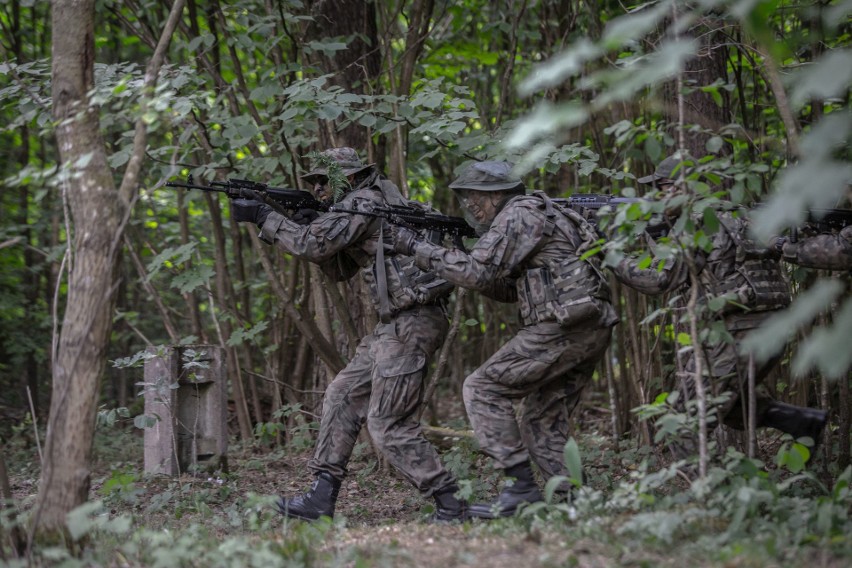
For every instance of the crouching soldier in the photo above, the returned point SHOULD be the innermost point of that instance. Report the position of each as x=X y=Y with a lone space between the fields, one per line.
x=565 y=314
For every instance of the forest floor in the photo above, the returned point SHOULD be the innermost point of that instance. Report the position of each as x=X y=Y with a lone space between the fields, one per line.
x=380 y=519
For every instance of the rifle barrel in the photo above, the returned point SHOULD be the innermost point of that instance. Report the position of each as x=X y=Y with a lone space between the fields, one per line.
x=195 y=186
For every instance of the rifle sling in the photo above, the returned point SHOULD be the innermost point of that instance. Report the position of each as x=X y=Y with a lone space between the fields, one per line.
x=382 y=278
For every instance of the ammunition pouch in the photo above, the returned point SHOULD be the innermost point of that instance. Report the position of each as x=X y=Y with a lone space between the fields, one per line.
x=407 y=285
x=568 y=294
x=758 y=283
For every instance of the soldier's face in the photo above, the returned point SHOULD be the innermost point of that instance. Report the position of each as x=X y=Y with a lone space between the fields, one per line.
x=482 y=205
x=322 y=191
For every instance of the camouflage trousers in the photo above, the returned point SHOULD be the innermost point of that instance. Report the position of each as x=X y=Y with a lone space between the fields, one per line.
x=383 y=385
x=545 y=367
x=728 y=371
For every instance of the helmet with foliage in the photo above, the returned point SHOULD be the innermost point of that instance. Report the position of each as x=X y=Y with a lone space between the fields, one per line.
x=344 y=160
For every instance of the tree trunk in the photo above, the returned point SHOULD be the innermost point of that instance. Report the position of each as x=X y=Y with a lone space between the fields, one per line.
x=353 y=68
x=96 y=214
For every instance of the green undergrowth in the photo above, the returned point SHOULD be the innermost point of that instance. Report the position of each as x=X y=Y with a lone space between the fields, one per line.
x=625 y=507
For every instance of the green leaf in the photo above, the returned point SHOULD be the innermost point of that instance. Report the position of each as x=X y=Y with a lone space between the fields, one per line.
x=170 y=256
x=329 y=48
x=684 y=339
x=827 y=349
x=471 y=322
x=717 y=304
x=827 y=77
x=710 y=221
x=630 y=27
x=240 y=336
x=773 y=335
x=792 y=457
x=143 y=421
x=573 y=462
x=83 y=161
x=560 y=67
x=367 y=120
x=189 y=280
x=545 y=120
x=80 y=520
x=552 y=485
x=714 y=144
x=816 y=181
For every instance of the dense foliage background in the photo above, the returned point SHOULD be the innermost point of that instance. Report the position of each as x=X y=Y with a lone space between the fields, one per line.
x=586 y=96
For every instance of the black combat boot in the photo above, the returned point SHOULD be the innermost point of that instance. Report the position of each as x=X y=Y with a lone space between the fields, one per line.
x=523 y=490
x=798 y=421
x=448 y=508
x=317 y=502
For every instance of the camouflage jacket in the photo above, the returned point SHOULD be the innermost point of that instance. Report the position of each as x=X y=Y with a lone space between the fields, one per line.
x=830 y=251
x=747 y=274
x=534 y=247
x=343 y=243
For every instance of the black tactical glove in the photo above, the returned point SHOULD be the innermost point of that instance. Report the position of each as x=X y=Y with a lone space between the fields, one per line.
x=304 y=216
x=400 y=239
x=777 y=244
x=250 y=211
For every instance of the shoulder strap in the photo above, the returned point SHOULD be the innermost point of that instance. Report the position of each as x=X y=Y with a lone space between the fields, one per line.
x=584 y=228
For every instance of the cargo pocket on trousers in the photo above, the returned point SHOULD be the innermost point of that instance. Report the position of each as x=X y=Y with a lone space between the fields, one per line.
x=398 y=385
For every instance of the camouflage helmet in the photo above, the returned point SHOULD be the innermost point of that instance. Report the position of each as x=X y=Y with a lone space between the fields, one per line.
x=488 y=176
x=346 y=158
x=671 y=168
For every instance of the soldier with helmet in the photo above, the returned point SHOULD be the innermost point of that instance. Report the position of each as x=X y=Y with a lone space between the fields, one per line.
x=565 y=313
x=748 y=277
x=383 y=383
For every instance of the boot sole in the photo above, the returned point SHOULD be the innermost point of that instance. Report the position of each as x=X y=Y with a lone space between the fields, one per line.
x=285 y=512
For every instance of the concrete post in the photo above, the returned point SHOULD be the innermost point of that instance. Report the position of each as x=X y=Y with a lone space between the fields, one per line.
x=186 y=392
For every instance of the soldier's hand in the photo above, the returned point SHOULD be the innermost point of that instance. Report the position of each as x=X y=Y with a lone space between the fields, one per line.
x=304 y=216
x=777 y=244
x=400 y=239
x=250 y=211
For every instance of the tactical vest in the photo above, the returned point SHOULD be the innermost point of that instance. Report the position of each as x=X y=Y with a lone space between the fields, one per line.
x=407 y=285
x=567 y=289
x=395 y=282
x=757 y=282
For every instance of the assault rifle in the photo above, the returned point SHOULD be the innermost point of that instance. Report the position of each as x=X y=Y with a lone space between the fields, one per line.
x=279 y=198
x=417 y=219
x=592 y=201
x=588 y=205
x=830 y=219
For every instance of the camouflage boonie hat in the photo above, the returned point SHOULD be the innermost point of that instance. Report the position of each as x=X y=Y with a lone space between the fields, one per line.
x=666 y=169
x=346 y=158
x=487 y=176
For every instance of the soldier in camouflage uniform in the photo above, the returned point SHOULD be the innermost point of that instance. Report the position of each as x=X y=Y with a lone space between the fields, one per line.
x=383 y=383
x=749 y=276
x=566 y=321
x=827 y=251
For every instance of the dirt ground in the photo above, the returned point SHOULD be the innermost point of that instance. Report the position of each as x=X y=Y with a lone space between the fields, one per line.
x=384 y=520
x=381 y=520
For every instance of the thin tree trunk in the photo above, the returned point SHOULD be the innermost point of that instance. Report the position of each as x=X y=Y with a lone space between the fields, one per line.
x=189 y=297
x=96 y=213
x=17 y=542
x=222 y=288
x=98 y=216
